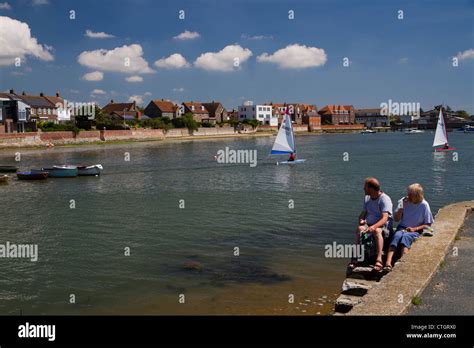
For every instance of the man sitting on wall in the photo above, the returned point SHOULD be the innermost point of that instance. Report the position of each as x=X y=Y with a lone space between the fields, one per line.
x=376 y=218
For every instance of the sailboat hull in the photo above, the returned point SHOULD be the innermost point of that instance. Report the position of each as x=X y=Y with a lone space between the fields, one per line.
x=298 y=161
x=440 y=149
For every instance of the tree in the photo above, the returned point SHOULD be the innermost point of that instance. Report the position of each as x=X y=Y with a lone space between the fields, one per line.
x=186 y=121
x=463 y=114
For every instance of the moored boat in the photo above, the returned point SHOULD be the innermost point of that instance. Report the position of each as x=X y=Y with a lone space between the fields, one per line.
x=414 y=131
x=64 y=171
x=368 y=131
x=32 y=175
x=8 y=169
x=4 y=179
x=93 y=170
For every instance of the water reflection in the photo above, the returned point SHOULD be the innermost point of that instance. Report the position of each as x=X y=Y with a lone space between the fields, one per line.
x=439 y=164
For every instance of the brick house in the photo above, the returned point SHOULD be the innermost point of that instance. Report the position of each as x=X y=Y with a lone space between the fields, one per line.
x=337 y=114
x=162 y=108
x=216 y=111
x=199 y=111
x=371 y=118
x=122 y=110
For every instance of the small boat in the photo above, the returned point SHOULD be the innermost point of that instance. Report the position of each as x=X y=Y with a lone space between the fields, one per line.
x=93 y=170
x=297 y=161
x=33 y=175
x=63 y=171
x=285 y=143
x=441 y=136
x=4 y=179
x=368 y=131
x=468 y=129
x=8 y=169
x=414 y=131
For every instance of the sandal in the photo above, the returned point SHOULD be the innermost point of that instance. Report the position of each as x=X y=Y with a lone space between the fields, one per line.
x=387 y=268
x=378 y=266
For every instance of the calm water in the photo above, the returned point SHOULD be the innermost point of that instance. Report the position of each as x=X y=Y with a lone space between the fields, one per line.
x=189 y=251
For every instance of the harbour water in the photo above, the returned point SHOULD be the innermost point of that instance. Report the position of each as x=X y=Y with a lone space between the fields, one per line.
x=182 y=215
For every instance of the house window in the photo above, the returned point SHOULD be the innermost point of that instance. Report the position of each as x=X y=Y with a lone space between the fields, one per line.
x=49 y=111
x=192 y=107
x=1 y=114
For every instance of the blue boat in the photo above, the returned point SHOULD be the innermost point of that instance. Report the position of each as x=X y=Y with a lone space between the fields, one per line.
x=33 y=175
x=64 y=171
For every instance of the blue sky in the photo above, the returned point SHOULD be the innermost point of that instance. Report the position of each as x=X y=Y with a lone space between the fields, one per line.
x=407 y=60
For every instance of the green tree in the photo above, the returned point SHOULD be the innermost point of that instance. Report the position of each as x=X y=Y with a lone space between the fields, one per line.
x=186 y=121
x=463 y=114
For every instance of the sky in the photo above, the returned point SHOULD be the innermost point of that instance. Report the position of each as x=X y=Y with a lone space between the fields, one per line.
x=233 y=51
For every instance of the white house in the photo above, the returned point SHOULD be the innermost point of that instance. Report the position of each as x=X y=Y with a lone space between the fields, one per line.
x=260 y=112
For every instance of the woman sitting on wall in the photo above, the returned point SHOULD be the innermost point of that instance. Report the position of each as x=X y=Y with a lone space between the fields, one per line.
x=414 y=214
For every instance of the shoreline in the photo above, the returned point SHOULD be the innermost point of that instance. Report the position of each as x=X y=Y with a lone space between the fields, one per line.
x=170 y=140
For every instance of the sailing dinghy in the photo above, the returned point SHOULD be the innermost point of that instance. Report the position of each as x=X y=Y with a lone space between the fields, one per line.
x=441 y=136
x=285 y=142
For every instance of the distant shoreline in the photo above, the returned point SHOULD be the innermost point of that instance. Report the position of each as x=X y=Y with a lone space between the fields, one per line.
x=170 y=140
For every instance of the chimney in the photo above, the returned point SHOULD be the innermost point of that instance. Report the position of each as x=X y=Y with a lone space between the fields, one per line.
x=12 y=91
x=23 y=93
x=57 y=94
x=111 y=101
x=41 y=94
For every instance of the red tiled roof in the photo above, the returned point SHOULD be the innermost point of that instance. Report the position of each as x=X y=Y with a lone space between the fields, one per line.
x=164 y=105
x=197 y=107
x=332 y=108
x=112 y=107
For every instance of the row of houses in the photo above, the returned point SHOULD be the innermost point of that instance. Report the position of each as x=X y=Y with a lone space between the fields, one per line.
x=18 y=110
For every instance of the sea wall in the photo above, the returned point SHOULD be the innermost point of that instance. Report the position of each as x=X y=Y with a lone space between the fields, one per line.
x=64 y=138
x=366 y=294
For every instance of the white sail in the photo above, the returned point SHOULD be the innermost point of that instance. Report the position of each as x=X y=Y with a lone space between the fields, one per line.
x=441 y=137
x=284 y=142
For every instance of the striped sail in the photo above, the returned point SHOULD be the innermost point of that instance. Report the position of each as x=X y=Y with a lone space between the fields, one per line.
x=284 y=142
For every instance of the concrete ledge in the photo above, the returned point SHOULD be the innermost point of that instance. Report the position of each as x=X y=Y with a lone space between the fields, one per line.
x=410 y=276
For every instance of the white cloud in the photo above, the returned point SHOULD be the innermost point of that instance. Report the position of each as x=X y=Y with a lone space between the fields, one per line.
x=125 y=59
x=96 y=92
x=403 y=60
x=93 y=76
x=98 y=35
x=175 y=61
x=74 y=91
x=147 y=94
x=134 y=78
x=256 y=37
x=228 y=59
x=295 y=57
x=5 y=6
x=40 y=2
x=180 y=89
x=136 y=98
x=16 y=42
x=467 y=54
x=187 y=35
